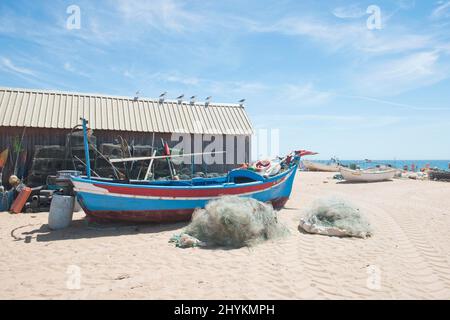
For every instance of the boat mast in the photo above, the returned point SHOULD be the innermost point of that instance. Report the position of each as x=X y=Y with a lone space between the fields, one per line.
x=86 y=148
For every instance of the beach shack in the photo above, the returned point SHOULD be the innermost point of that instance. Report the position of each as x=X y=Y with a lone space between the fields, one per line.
x=37 y=126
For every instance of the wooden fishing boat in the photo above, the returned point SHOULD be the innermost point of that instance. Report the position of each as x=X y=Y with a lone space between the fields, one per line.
x=175 y=200
x=162 y=201
x=367 y=175
x=316 y=166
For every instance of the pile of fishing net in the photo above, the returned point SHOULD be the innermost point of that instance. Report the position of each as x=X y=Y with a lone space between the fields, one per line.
x=335 y=217
x=231 y=222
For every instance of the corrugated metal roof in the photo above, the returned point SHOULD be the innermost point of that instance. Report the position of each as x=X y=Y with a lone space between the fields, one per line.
x=52 y=109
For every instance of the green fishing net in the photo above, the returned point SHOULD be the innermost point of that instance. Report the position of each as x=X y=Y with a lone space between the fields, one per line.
x=335 y=217
x=235 y=222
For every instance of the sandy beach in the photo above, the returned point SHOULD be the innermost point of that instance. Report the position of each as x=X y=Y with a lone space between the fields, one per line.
x=407 y=258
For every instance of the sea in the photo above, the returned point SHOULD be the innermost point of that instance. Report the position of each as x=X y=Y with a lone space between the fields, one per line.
x=363 y=164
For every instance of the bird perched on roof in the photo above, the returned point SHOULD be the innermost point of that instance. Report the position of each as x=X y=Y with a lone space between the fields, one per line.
x=162 y=96
x=136 y=95
x=241 y=102
x=193 y=99
x=180 y=99
x=208 y=100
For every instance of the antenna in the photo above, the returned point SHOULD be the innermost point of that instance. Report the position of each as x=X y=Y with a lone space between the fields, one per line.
x=193 y=99
x=241 y=102
x=136 y=95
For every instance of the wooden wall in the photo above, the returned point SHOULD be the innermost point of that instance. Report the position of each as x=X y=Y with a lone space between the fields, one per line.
x=36 y=136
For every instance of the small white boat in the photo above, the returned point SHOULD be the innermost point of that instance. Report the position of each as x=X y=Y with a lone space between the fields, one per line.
x=316 y=166
x=367 y=175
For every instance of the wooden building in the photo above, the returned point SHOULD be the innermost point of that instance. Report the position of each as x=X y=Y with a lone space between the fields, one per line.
x=33 y=118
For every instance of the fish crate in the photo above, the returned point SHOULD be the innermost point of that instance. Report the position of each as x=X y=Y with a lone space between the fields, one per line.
x=76 y=139
x=47 y=165
x=79 y=152
x=49 y=152
x=36 y=179
x=142 y=151
x=111 y=150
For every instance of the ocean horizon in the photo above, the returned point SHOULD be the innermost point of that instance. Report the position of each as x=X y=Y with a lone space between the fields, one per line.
x=440 y=164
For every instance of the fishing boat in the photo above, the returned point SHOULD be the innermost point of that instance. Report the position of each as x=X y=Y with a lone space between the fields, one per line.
x=175 y=200
x=367 y=175
x=316 y=166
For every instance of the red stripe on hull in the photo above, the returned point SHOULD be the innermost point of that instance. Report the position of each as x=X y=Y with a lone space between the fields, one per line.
x=142 y=216
x=187 y=193
x=157 y=216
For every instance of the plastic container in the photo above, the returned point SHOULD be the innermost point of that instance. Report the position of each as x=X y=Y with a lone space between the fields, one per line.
x=6 y=199
x=61 y=211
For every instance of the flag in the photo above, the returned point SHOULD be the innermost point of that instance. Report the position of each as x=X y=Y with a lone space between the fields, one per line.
x=166 y=149
x=305 y=153
x=22 y=164
x=3 y=158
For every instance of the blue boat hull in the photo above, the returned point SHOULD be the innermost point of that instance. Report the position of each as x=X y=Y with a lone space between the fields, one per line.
x=167 y=203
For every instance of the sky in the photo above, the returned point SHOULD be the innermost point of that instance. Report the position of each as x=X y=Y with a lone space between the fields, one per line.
x=356 y=80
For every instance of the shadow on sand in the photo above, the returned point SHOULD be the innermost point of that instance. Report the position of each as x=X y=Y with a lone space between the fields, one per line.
x=82 y=229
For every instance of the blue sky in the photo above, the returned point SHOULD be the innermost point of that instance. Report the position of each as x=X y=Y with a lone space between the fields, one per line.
x=311 y=69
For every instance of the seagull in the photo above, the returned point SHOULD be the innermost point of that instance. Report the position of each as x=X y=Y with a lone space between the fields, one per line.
x=180 y=99
x=193 y=99
x=208 y=99
x=162 y=96
x=242 y=101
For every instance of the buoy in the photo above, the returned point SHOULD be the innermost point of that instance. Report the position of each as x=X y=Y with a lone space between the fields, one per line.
x=61 y=211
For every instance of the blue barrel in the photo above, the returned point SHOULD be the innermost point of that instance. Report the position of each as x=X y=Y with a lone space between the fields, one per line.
x=6 y=199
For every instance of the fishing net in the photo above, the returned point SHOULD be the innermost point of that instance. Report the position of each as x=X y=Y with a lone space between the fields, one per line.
x=335 y=217
x=235 y=222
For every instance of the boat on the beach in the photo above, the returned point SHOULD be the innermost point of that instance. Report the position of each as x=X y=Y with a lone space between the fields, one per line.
x=367 y=175
x=175 y=200
x=316 y=166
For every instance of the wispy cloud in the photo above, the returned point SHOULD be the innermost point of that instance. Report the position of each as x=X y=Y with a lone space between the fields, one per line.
x=163 y=15
x=304 y=95
x=349 y=12
x=442 y=10
x=7 y=65
x=400 y=75
x=394 y=104
x=341 y=122
x=68 y=66
x=353 y=36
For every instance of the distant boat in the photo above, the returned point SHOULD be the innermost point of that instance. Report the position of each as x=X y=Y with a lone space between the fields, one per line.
x=316 y=166
x=367 y=175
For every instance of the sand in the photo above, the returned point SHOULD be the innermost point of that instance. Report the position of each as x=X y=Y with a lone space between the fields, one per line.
x=408 y=257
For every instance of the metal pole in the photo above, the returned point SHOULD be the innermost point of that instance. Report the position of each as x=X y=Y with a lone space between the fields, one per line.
x=86 y=148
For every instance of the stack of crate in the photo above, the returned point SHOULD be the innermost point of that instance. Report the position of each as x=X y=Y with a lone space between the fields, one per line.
x=47 y=161
x=75 y=149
